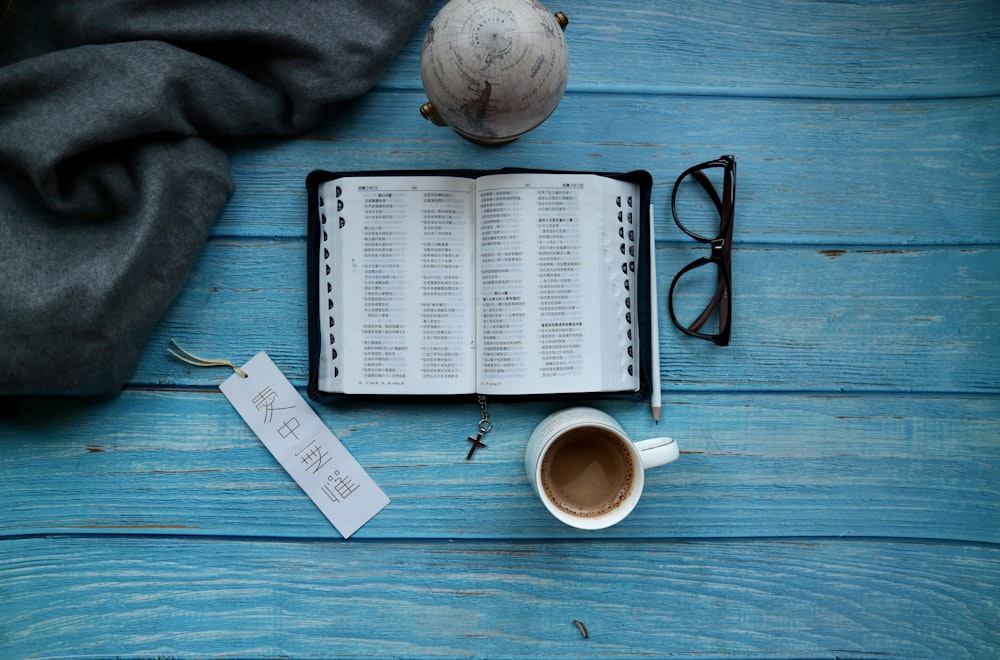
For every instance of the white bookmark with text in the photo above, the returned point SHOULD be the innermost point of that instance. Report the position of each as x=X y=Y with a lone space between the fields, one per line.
x=303 y=445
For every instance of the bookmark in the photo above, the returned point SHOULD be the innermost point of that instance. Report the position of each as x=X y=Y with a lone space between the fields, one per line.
x=299 y=440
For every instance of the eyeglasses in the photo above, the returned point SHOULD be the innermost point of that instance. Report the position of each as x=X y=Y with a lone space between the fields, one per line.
x=701 y=292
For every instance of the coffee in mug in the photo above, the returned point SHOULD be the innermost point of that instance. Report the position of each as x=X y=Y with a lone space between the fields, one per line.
x=586 y=470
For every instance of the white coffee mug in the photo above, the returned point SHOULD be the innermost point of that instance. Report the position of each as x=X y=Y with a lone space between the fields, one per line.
x=586 y=470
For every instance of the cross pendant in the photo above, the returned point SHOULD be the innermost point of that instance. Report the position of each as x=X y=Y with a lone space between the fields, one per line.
x=477 y=442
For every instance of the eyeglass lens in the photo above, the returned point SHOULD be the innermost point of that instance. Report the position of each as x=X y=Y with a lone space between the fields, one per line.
x=698 y=298
x=697 y=203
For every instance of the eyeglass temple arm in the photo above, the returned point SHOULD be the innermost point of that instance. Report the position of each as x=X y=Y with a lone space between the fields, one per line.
x=706 y=183
x=720 y=292
x=720 y=289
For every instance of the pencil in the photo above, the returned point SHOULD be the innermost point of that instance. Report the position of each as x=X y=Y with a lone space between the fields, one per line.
x=655 y=402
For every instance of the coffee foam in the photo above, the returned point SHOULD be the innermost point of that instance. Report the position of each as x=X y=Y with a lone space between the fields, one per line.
x=606 y=448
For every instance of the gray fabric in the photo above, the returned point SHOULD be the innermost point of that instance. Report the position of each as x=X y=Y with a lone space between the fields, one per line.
x=110 y=175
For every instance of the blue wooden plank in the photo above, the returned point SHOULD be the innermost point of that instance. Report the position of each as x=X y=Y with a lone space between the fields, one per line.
x=805 y=319
x=799 y=48
x=89 y=597
x=752 y=465
x=810 y=172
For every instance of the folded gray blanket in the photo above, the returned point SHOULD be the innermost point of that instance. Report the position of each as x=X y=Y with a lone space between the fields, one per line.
x=109 y=177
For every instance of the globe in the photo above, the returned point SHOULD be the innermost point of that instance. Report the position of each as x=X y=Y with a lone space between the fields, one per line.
x=493 y=69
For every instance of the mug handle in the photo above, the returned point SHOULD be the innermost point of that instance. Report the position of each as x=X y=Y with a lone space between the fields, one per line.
x=657 y=451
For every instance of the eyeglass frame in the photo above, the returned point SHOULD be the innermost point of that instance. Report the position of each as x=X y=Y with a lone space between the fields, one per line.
x=721 y=253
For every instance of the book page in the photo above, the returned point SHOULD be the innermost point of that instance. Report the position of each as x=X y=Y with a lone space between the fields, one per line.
x=556 y=275
x=397 y=265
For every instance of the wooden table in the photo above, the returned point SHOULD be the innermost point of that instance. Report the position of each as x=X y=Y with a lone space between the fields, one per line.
x=837 y=493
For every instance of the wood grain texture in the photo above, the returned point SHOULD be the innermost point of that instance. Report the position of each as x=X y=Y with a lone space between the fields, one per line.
x=145 y=597
x=814 y=172
x=837 y=492
x=805 y=319
x=165 y=463
x=793 y=48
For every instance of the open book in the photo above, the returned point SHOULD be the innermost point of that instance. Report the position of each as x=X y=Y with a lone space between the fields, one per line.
x=508 y=283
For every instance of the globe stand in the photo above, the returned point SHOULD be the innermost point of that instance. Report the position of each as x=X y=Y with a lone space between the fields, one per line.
x=430 y=113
